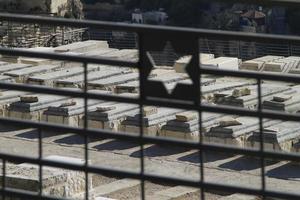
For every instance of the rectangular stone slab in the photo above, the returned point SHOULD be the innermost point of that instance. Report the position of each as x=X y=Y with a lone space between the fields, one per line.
x=4 y=63
x=236 y=135
x=252 y=65
x=121 y=110
x=78 y=108
x=81 y=47
x=290 y=105
x=6 y=79
x=163 y=115
x=181 y=63
x=109 y=83
x=78 y=81
x=218 y=87
x=111 y=120
x=208 y=119
x=133 y=86
x=44 y=102
x=250 y=101
x=257 y=64
x=249 y=124
x=281 y=135
x=227 y=63
x=55 y=182
x=8 y=97
x=21 y=75
x=38 y=61
x=124 y=54
x=100 y=52
x=11 y=67
x=48 y=78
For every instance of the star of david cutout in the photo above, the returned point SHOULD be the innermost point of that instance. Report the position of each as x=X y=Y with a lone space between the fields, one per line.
x=180 y=91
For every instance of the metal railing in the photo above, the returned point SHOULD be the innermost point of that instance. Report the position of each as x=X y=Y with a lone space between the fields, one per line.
x=152 y=38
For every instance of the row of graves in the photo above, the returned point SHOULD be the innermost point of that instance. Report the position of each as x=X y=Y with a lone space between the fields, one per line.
x=157 y=121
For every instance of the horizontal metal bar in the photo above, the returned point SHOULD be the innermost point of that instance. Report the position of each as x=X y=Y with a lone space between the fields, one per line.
x=67 y=57
x=151 y=29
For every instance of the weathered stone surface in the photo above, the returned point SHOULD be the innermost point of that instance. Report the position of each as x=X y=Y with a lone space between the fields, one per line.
x=21 y=75
x=100 y=52
x=257 y=64
x=281 y=97
x=250 y=101
x=49 y=78
x=124 y=54
x=6 y=79
x=29 y=99
x=8 y=97
x=152 y=123
x=11 y=67
x=289 y=105
x=56 y=182
x=237 y=134
x=110 y=82
x=105 y=108
x=252 y=65
x=37 y=61
x=190 y=130
x=186 y=116
x=227 y=63
x=181 y=63
x=239 y=197
x=44 y=101
x=149 y=110
x=241 y=92
x=71 y=114
x=111 y=119
x=283 y=65
x=281 y=135
x=81 y=47
x=115 y=187
x=133 y=86
x=177 y=192
x=229 y=121
x=78 y=81
x=69 y=103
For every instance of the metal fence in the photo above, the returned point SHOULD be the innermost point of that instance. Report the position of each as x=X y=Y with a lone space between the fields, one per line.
x=153 y=38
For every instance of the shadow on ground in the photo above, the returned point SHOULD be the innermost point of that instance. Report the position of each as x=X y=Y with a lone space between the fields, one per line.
x=115 y=145
x=208 y=157
x=156 y=151
x=287 y=171
x=245 y=163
